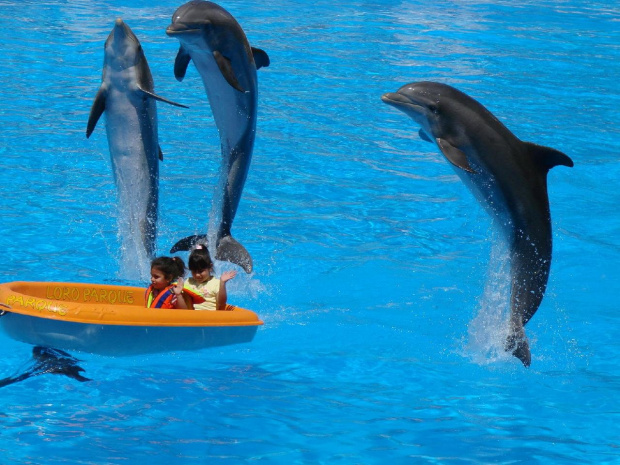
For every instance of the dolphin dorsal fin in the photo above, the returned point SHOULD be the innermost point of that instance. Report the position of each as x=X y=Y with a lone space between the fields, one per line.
x=548 y=157
x=261 y=59
x=454 y=155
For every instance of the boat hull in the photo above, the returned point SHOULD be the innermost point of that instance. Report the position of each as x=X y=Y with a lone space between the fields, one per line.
x=112 y=320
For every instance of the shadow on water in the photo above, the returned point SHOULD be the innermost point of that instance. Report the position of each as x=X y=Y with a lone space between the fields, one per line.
x=47 y=360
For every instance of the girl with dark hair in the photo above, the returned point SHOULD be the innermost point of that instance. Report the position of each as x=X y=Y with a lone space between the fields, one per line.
x=206 y=291
x=166 y=289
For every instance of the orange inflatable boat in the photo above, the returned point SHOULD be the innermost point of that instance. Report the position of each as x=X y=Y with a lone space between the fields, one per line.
x=113 y=320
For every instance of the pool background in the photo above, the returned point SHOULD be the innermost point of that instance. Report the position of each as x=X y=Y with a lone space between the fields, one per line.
x=371 y=258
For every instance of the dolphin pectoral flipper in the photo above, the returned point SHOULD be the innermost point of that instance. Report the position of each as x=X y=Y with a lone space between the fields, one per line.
x=229 y=250
x=189 y=242
x=227 y=71
x=181 y=63
x=424 y=136
x=96 y=111
x=261 y=59
x=454 y=155
x=161 y=99
x=548 y=157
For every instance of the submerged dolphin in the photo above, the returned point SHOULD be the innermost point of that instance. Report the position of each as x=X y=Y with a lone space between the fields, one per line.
x=508 y=177
x=48 y=360
x=127 y=97
x=215 y=42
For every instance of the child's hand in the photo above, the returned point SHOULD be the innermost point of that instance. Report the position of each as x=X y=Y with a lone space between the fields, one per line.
x=179 y=287
x=227 y=276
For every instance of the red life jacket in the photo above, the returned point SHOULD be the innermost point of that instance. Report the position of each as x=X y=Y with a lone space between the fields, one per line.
x=196 y=298
x=163 y=300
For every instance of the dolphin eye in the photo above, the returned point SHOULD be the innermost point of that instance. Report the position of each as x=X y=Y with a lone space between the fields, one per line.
x=433 y=109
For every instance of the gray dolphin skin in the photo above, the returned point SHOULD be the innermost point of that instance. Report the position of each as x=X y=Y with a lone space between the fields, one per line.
x=126 y=95
x=215 y=42
x=507 y=176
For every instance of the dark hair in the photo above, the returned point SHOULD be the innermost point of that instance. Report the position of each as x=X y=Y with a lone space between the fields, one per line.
x=171 y=267
x=200 y=260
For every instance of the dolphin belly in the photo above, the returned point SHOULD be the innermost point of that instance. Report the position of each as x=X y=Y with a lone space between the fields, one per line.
x=134 y=153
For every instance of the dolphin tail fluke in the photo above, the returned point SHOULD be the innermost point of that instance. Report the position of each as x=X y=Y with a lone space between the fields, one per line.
x=517 y=345
x=229 y=250
x=188 y=242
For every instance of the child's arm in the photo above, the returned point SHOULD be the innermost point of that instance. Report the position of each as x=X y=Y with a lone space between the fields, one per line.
x=181 y=302
x=221 y=295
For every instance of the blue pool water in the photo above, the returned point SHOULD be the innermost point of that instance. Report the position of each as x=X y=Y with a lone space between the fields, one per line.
x=372 y=260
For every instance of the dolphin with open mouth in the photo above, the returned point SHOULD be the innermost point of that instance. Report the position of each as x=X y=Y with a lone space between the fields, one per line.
x=506 y=175
x=227 y=64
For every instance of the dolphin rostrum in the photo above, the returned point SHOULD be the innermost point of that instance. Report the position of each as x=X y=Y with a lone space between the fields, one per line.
x=215 y=42
x=48 y=360
x=127 y=96
x=507 y=176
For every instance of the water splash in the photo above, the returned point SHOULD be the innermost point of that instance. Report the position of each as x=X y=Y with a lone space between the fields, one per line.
x=488 y=330
x=134 y=261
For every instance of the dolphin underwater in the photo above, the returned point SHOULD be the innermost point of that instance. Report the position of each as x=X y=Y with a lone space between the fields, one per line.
x=48 y=360
x=126 y=95
x=215 y=42
x=506 y=175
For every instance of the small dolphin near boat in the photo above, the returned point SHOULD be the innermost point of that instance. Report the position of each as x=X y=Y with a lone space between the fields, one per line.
x=212 y=38
x=48 y=360
x=507 y=176
x=127 y=97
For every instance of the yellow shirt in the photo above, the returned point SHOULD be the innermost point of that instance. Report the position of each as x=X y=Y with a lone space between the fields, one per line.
x=208 y=290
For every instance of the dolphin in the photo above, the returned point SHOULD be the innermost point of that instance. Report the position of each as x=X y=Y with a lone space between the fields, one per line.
x=48 y=360
x=215 y=42
x=507 y=176
x=127 y=96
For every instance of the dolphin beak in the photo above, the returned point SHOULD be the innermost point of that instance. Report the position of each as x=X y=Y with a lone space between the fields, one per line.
x=179 y=27
x=395 y=99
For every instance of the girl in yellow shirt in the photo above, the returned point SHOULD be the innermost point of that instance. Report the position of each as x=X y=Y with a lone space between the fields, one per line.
x=206 y=291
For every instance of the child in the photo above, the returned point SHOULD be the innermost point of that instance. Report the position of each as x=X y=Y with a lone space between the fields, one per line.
x=206 y=292
x=164 y=292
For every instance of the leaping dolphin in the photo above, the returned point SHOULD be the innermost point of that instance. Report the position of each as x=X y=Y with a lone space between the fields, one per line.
x=127 y=96
x=48 y=360
x=215 y=42
x=508 y=177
